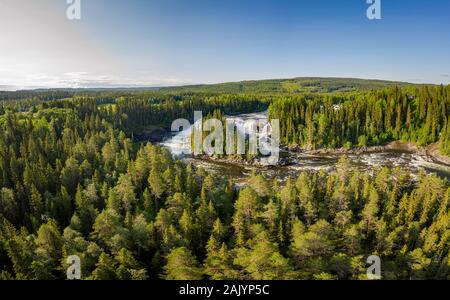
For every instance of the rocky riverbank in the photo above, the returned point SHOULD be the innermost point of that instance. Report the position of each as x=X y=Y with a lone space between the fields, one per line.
x=254 y=162
x=431 y=151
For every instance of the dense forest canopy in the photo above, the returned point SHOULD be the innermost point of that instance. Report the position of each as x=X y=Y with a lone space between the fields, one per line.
x=74 y=180
x=294 y=85
x=416 y=114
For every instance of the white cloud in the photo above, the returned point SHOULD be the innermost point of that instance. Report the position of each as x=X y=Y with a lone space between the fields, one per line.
x=40 y=47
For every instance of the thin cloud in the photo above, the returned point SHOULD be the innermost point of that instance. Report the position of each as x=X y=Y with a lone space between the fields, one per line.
x=82 y=79
x=40 y=47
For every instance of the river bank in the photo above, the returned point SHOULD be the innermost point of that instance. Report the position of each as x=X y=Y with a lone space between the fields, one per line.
x=431 y=151
x=294 y=160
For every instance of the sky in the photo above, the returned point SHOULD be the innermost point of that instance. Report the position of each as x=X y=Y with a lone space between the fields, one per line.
x=119 y=43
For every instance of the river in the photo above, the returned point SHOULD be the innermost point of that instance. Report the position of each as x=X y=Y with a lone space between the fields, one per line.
x=411 y=161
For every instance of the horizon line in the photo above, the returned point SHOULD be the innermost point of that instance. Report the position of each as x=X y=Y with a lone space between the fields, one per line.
x=13 y=88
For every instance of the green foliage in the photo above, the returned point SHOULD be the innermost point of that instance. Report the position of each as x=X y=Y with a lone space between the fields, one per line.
x=294 y=85
x=182 y=265
x=262 y=260
x=74 y=182
x=416 y=114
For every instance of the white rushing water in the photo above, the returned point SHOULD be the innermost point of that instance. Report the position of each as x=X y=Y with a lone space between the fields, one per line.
x=180 y=143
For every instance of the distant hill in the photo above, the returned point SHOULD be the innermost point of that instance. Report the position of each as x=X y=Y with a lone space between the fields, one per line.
x=294 y=85
x=301 y=84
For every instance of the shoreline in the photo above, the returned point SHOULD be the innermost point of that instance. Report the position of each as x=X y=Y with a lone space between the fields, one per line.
x=431 y=150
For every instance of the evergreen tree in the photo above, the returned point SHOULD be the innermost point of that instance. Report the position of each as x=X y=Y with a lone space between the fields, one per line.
x=182 y=265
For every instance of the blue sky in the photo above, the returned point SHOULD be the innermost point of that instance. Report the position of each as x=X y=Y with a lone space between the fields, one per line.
x=169 y=42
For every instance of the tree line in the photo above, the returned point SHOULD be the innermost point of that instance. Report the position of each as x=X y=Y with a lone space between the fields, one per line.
x=72 y=184
x=416 y=114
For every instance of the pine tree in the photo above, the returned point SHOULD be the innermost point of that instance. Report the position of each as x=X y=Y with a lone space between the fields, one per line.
x=182 y=265
x=105 y=268
x=247 y=207
x=263 y=261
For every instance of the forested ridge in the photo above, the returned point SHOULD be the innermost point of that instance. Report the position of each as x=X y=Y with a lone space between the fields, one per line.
x=293 y=85
x=415 y=114
x=74 y=182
